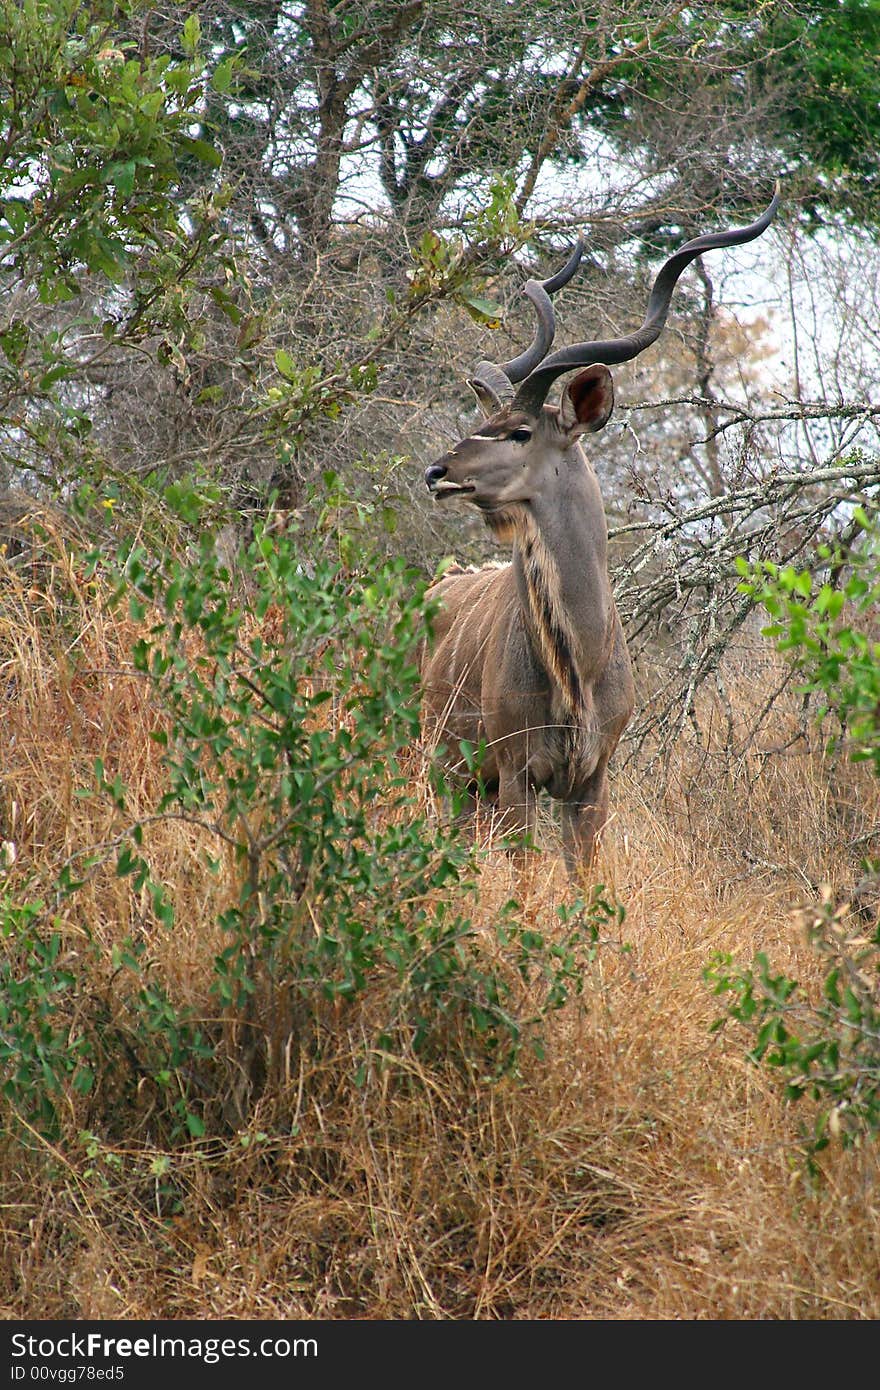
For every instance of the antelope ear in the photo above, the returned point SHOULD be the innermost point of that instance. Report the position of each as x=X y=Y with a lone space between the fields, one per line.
x=492 y=387
x=489 y=402
x=587 y=401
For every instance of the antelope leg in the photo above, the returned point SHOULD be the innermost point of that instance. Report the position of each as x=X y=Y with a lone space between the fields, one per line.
x=582 y=822
x=517 y=803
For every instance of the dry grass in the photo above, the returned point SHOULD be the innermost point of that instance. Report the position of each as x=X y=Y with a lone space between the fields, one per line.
x=643 y=1169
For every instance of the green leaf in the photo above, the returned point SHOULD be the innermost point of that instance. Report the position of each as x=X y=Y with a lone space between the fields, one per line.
x=221 y=79
x=61 y=369
x=195 y=1125
x=192 y=32
x=201 y=149
x=14 y=342
x=122 y=176
x=482 y=310
x=286 y=365
x=15 y=212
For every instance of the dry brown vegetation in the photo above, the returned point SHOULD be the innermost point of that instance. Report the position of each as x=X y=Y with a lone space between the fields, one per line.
x=642 y=1169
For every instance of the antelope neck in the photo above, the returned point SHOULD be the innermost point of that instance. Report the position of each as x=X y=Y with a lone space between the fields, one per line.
x=560 y=632
x=557 y=644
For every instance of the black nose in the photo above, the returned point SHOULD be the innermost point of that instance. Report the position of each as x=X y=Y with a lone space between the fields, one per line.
x=435 y=473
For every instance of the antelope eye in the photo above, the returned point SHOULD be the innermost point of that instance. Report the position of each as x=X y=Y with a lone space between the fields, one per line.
x=520 y=436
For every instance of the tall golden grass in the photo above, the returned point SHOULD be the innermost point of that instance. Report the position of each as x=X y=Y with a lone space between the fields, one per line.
x=642 y=1168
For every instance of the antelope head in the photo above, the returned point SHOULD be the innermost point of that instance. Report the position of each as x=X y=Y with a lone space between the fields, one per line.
x=513 y=460
x=519 y=452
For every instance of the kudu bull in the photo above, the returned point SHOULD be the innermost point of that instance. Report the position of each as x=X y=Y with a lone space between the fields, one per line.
x=528 y=660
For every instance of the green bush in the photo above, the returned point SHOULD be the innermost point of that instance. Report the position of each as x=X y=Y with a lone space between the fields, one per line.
x=830 y=1049
x=821 y=625
x=299 y=755
x=40 y=1055
x=284 y=700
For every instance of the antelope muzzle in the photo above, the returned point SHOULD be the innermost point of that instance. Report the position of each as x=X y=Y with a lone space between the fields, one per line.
x=439 y=484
